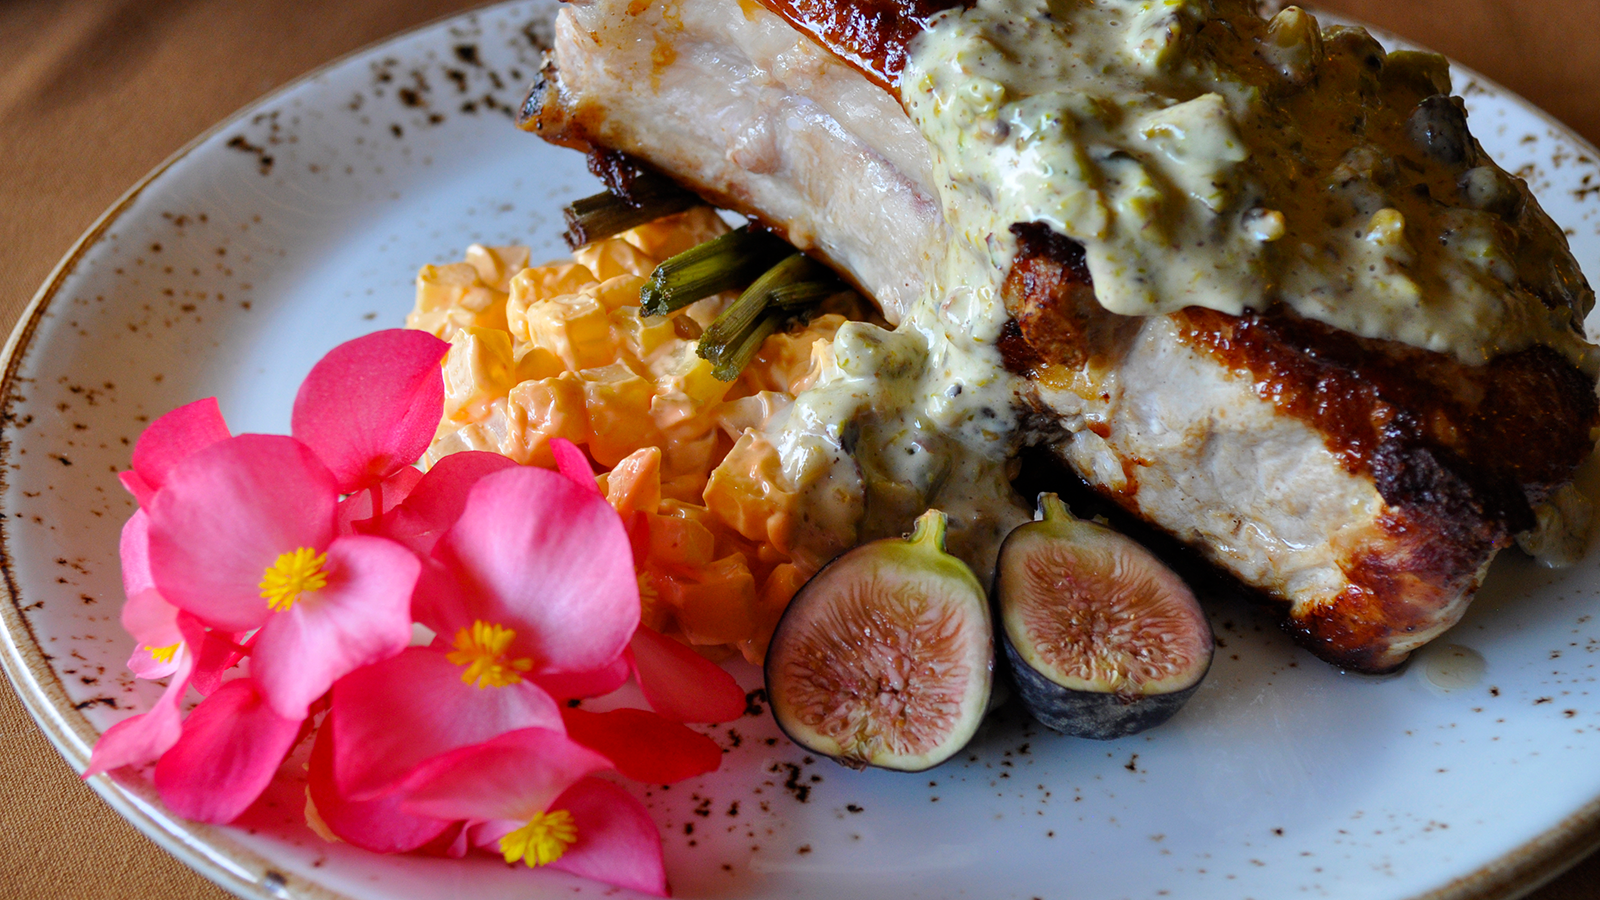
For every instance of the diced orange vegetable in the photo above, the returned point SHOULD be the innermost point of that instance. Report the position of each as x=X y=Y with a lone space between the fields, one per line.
x=634 y=484
x=612 y=257
x=680 y=541
x=575 y=328
x=477 y=369
x=781 y=585
x=746 y=491
x=551 y=408
x=715 y=605
x=675 y=234
x=619 y=420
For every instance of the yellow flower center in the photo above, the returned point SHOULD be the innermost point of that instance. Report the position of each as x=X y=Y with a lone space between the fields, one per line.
x=163 y=654
x=292 y=575
x=542 y=840
x=482 y=649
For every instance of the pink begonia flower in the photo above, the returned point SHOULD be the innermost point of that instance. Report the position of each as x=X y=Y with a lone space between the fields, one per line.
x=355 y=514
x=142 y=739
x=677 y=682
x=379 y=825
x=168 y=441
x=231 y=745
x=532 y=580
x=435 y=502
x=535 y=577
x=390 y=717
x=370 y=407
x=529 y=790
x=242 y=537
x=681 y=684
x=154 y=623
x=644 y=746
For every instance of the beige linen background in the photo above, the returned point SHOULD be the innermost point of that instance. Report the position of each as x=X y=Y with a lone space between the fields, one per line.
x=94 y=93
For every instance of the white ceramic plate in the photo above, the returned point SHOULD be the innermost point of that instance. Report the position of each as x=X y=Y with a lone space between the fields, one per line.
x=300 y=223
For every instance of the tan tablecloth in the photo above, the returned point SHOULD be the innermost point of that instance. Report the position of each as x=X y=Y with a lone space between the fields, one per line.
x=95 y=93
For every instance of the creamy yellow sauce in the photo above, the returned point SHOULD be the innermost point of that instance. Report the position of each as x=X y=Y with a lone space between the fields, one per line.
x=1207 y=157
x=1203 y=156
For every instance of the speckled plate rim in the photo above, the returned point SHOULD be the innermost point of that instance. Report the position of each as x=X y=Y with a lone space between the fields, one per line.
x=211 y=852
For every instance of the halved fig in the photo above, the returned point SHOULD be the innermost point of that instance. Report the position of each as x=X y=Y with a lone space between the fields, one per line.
x=1103 y=640
x=886 y=657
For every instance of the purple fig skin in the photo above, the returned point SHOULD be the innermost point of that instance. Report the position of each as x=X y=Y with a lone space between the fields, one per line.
x=1093 y=711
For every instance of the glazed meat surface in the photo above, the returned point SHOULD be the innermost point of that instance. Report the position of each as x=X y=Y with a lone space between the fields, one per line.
x=1362 y=483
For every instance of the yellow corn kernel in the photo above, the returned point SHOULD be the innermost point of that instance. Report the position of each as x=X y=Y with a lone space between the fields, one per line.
x=477 y=369
x=496 y=265
x=679 y=540
x=619 y=406
x=574 y=328
x=545 y=409
x=612 y=257
x=747 y=490
x=714 y=605
x=675 y=234
x=634 y=485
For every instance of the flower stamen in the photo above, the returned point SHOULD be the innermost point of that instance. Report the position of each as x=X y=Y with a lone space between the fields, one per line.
x=163 y=654
x=542 y=841
x=482 y=650
x=292 y=575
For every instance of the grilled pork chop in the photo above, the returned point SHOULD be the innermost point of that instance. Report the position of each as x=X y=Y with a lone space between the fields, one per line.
x=1363 y=481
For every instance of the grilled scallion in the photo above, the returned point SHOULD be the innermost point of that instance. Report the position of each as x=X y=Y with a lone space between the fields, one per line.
x=605 y=214
x=733 y=360
x=720 y=264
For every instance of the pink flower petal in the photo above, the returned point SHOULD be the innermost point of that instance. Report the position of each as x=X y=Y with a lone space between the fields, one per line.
x=370 y=407
x=644 y=746
x=153 y=622
x=226 y=515
x=362 y=616
x=438 y=499
x=378 y=825
x=354 y=515
x=514 y=776
x=596 y=683
x=140 y=489
x=142 y=739
x=571 y=462
x=536 y=553
x=134 y=548
x=681 y=684
x=617 y=840
x=232 y=744
x=174 y=437
x=219 y=652
x=391 y=716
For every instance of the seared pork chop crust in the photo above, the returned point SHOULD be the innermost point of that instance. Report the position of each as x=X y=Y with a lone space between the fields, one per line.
x=1459 y=454
x=871 y=35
